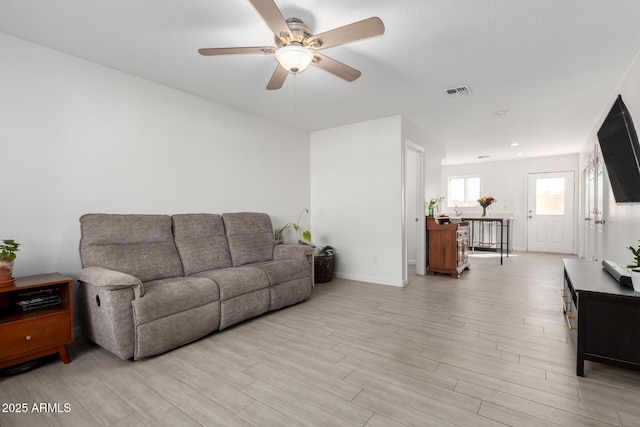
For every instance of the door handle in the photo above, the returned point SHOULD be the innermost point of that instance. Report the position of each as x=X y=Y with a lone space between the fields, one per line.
x=587 y=219
x=530 y=216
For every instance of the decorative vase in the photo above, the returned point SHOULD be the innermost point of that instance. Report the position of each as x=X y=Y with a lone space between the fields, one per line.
x=635 y=279
x=484 y=211
x=6 y=271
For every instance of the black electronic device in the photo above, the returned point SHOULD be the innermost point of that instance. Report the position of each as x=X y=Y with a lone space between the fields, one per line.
x=618 y=273
x=621 y=153
x=40 y=298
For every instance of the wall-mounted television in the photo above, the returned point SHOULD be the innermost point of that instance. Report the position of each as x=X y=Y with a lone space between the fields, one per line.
x=621 y=153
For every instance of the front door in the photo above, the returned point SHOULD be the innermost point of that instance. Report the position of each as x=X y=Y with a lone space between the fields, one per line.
x=550 y=212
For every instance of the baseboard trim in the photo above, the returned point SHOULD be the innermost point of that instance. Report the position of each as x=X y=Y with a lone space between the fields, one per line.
x=370 y=279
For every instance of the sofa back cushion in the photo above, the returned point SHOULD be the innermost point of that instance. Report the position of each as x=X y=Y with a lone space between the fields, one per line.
x=140 y=245
x=250 y=237
x=201 y=242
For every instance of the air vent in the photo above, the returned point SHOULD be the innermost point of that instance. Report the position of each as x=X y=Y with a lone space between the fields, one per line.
x=460 y=90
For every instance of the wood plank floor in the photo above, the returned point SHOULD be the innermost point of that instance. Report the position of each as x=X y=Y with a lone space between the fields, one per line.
x=488 y=349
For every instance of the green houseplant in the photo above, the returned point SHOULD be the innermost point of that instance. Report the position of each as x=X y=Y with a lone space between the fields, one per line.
x=8 y=250
x=304 y=236
x=636 y=255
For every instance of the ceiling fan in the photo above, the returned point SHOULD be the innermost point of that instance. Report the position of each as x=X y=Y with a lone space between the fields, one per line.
x=296 y=47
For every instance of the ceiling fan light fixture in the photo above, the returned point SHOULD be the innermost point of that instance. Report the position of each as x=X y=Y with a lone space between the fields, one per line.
x=294 y=58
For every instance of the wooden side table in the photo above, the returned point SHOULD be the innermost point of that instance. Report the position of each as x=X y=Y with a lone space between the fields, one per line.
x=30 y=334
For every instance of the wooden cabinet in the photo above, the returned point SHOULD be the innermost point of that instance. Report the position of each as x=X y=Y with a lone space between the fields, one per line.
x=29 y=334
x=448 y=246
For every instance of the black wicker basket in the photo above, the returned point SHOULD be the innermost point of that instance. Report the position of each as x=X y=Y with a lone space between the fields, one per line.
x=323 y=268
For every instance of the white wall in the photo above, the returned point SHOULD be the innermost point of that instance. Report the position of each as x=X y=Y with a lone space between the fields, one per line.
x=357 y=174
x=622 y=226
x=507 y=182
x=434 y=153
x=77 y=137
x=356 y=198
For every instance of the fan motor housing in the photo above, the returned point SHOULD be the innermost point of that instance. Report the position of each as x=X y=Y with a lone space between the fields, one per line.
x=300 y=31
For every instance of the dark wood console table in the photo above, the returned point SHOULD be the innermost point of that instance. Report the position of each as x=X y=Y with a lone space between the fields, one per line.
x=502 y=221
x=608 y=315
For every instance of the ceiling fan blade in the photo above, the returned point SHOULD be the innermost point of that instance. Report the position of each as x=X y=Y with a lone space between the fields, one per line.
x=278 y=78
x=335 y=67
x=236 y=50
x=273 y=17
x=349 y=33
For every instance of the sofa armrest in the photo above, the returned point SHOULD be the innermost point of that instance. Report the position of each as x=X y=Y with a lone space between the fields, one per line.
x=111 y=279
x=300 y=252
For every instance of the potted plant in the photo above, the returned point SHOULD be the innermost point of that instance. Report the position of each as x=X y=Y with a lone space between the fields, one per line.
x=8 y=251
x=434 y=206
x=304 y=236
x=635 y=268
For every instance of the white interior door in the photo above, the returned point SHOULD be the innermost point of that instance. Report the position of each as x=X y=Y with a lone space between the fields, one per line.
x=598 y=218
x=550 y=212
x=412 y=205
x=589 y=206
x=414 y=209
x=593 y=212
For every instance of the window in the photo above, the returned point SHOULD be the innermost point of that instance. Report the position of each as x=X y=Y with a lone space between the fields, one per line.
x=550 y=196
x=464 y=191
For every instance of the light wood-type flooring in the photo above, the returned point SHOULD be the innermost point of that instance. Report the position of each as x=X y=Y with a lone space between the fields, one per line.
x=488 y=349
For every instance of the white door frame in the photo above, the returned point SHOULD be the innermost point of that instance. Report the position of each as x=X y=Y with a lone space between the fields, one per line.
x=421 y=231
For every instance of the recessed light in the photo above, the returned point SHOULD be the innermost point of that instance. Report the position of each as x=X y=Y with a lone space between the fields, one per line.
x=514 y=144
x=519 y=154
x=501 y=112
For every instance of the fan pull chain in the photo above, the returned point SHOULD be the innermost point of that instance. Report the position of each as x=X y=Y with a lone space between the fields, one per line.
x=295 y=91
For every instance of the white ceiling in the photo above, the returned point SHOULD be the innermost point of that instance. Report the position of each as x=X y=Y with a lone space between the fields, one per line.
x=553 y=64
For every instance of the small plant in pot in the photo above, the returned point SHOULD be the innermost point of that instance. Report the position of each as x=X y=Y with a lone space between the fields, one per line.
x=8 y=250
x=635 y=268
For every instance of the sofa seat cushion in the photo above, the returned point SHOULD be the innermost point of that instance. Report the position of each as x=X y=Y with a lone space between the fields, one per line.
x=284 y=271
x=166 y=297
x=237 y=281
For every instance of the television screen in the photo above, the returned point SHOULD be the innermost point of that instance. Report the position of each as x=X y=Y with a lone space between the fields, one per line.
x=621 y=153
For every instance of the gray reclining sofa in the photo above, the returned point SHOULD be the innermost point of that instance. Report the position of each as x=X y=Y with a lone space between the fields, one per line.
x=151 y=283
